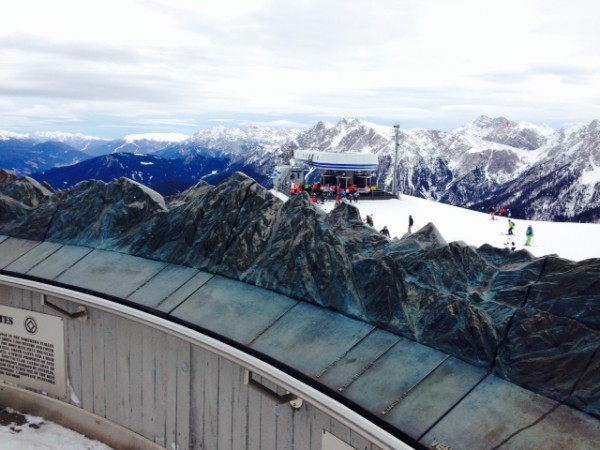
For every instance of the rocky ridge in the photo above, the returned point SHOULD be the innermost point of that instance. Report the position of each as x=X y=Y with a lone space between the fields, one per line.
x=532 y=321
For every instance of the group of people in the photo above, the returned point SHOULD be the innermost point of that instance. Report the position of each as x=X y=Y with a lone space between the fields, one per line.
x=501 y=212
x=528 y=234
x=511 y=227
x=319 y=193
x=320 y=196
x=384 y=230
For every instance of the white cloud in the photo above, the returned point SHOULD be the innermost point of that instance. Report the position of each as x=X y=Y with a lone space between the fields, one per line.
x=431 y=63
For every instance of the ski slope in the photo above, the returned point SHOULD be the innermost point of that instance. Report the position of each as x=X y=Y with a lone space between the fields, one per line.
x=574 y=241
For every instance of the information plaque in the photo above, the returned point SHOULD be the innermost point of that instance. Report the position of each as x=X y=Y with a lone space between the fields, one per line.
x=32 y=350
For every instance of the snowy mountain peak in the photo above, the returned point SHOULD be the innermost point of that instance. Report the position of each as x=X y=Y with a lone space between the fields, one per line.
x=352 y=124
x=500 y=130
x=352 y=135
x=157 y=137
x=349 y=122
x=483 y=127
x=250 y=136
x=248 y=131
x=6 y=135
x=489 y=123
x=59 y=136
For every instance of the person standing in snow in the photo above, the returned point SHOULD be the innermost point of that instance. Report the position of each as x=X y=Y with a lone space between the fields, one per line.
x=369 y=220
x=411 y=222
x=385 y=232
x=529 y=234
x=511 y=225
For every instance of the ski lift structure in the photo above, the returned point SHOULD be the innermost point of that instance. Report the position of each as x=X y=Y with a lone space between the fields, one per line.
x=341 y=169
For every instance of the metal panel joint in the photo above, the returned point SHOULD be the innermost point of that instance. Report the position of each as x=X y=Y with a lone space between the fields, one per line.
x=81 y=312
x=294 y=401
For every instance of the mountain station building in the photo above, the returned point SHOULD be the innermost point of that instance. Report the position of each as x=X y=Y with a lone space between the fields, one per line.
x=344 y=170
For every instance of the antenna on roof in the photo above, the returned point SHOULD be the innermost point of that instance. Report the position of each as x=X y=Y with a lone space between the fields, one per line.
x=395 y=174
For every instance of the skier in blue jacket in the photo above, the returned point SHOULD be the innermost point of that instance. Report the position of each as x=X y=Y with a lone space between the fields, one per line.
x=529 y=234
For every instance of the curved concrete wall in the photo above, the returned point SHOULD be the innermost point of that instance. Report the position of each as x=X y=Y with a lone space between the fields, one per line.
x=174 y=387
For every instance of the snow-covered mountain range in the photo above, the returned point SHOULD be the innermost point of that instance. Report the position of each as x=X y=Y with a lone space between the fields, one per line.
x=538 y=172
x=535 y=171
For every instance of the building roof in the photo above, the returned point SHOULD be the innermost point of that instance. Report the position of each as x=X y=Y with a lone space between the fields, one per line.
x=348 y=161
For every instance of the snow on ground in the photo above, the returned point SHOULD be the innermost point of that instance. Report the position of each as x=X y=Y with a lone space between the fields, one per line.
x=572 y=241
x=26 y=432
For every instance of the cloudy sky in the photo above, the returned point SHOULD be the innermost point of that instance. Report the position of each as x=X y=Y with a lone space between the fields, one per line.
x=114 y=67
